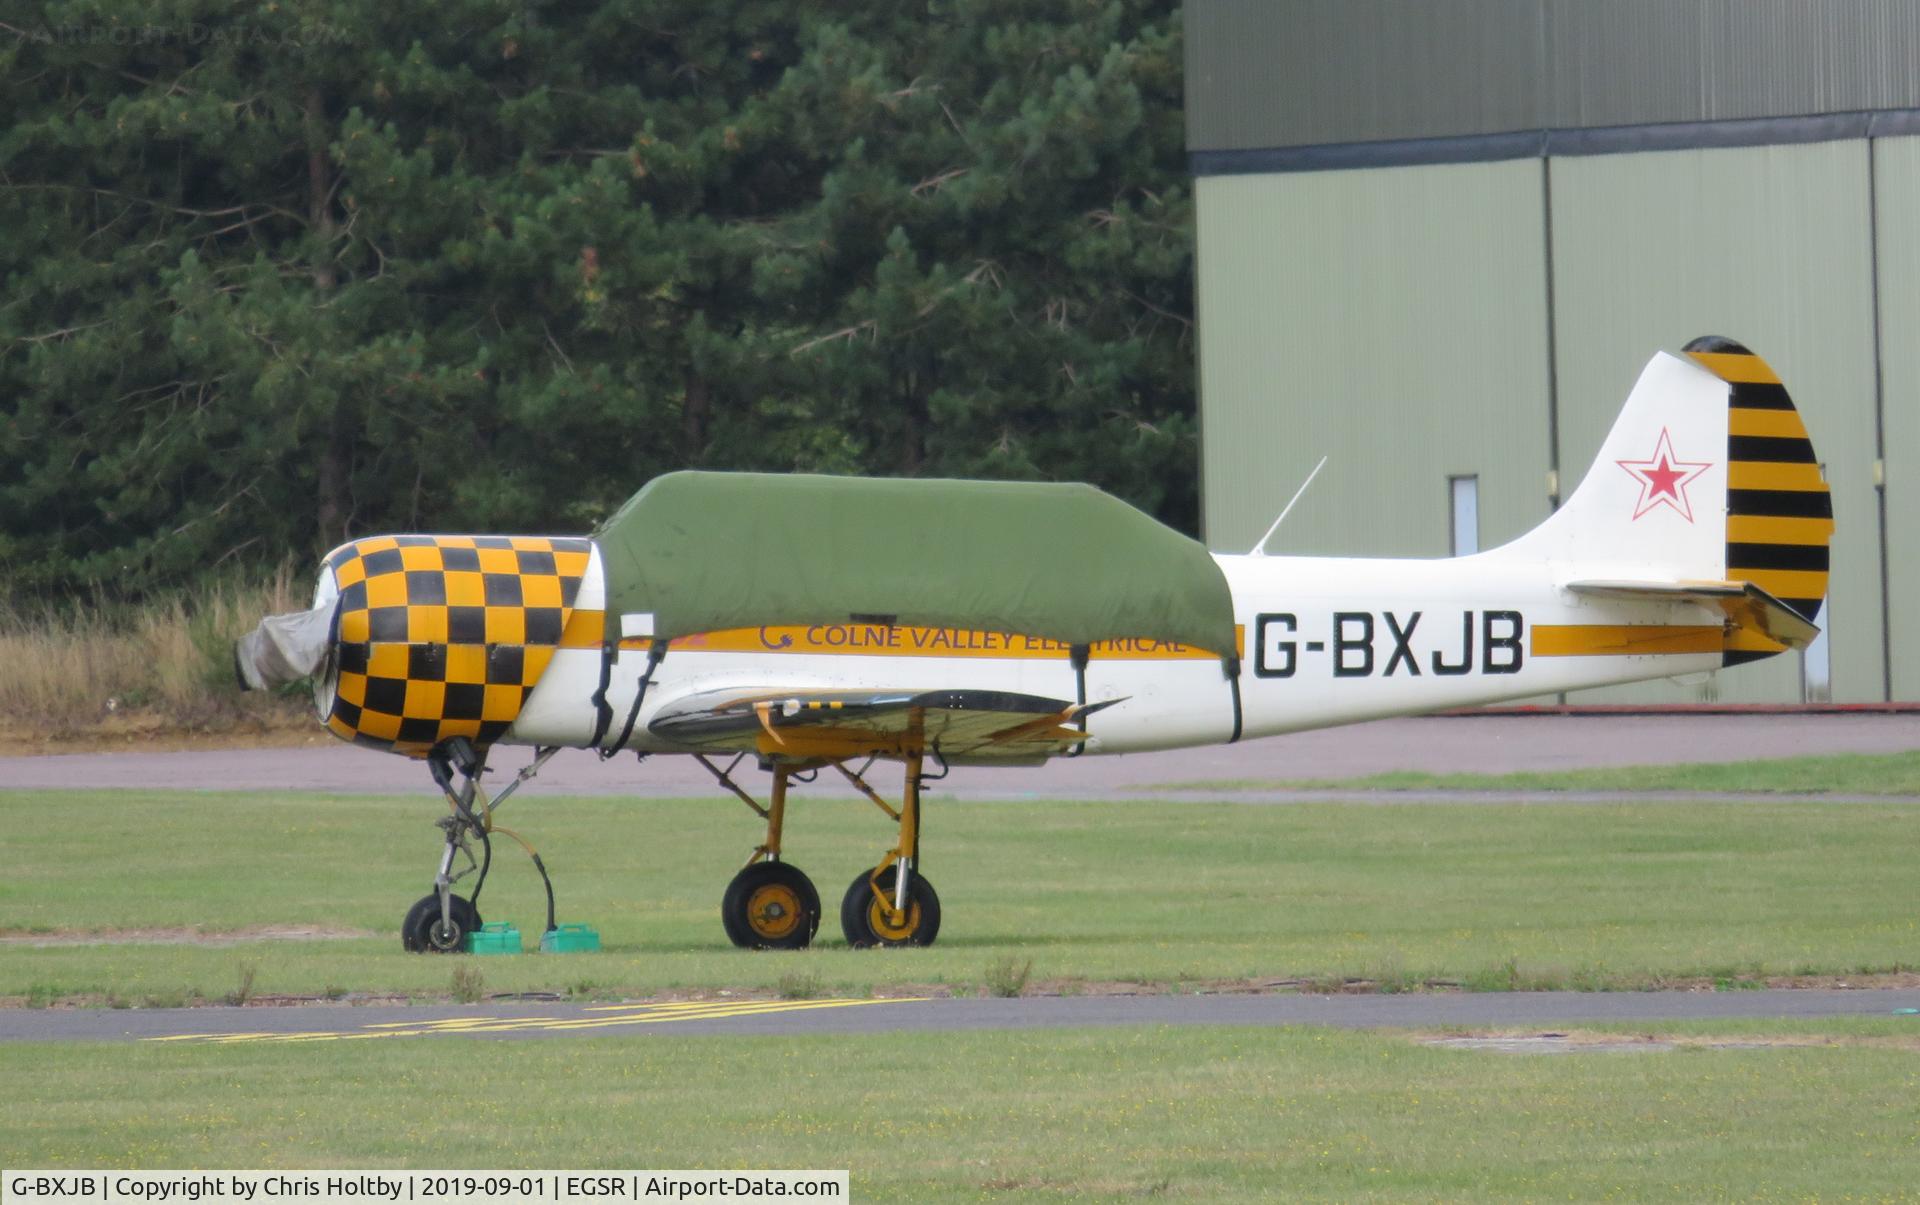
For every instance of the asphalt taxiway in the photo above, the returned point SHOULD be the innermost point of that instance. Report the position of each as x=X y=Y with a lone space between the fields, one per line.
x=1441 y=744
x=787 y=1018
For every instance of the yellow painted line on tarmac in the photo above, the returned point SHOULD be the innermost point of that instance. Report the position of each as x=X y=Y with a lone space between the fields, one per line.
x=744 y=1009
x=203 y=1037
x=664 y=1005
x=457 y=1023
x=226 y=1039
x=614 y=1015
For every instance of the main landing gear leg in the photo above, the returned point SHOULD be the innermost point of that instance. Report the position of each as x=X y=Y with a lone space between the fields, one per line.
x=769 y=905
x=893 y=904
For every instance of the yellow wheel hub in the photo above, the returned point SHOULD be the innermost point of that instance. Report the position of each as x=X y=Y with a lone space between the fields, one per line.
x=889 y=925
x=774 y=911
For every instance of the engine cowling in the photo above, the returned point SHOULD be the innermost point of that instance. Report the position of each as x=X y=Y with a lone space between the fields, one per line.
x=434 y=637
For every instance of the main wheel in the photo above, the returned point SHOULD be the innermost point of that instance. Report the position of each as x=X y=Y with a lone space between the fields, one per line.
x=422 y=932
x=866 y=922
x=770 y=906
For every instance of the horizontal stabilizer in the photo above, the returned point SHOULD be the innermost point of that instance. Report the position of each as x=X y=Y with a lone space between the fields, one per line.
x=1746 y=604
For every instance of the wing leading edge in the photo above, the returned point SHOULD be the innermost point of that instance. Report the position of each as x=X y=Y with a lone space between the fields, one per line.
x=968 y=725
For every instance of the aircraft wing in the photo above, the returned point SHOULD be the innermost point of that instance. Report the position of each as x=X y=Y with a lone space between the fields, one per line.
x=967 y=725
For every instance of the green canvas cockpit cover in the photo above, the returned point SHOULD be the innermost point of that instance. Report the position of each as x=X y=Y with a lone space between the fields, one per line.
x=703 y=552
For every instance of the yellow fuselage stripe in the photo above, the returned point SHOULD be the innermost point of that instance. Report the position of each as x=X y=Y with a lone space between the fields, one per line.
x=1746 y=640
x=1624 y=640
x=586 y=629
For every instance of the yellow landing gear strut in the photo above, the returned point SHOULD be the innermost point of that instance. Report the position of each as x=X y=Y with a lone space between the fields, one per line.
x=892 y=904
x=769 y=905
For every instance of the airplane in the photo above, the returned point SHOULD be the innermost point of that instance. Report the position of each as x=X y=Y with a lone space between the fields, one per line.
x=814 y=623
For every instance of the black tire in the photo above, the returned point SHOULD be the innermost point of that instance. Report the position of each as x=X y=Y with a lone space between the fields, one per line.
x=770 y=906
x=421 y=932
x=864 y=922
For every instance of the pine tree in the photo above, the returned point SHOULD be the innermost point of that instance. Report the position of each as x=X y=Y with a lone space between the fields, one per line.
x=281 y=274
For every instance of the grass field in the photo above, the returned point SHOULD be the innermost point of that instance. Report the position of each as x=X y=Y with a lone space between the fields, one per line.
x=1488 y=896
x=1848 y=774
x=1187 y=1114
x=1485 y=896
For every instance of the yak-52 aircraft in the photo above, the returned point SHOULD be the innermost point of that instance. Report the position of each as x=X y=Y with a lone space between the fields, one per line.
x=821 y=622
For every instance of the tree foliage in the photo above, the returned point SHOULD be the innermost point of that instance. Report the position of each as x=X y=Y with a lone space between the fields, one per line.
x=278 y=274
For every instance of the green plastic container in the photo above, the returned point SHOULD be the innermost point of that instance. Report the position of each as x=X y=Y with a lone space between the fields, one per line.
x=570 y=939
x=494 y=939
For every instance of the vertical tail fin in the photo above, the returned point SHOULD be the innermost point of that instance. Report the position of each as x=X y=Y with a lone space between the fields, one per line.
x=1707 y=480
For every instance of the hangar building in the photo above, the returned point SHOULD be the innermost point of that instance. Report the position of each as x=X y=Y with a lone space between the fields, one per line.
x=1437 y=242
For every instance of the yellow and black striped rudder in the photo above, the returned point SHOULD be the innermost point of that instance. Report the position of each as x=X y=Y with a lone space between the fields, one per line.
x=1779 y=512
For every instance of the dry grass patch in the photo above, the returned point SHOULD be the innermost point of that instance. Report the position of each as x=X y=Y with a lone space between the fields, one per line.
x=106 y=667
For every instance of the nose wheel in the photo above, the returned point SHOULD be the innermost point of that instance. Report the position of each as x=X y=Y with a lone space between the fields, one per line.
x=424 y=931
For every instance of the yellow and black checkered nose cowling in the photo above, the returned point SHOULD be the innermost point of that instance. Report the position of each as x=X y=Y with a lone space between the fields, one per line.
x=445 y=636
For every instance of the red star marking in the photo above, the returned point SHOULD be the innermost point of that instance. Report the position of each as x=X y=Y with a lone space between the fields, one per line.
x=1663 y=478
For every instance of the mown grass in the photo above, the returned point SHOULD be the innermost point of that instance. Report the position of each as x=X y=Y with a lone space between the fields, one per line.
x=69 y=671
x=1192 y=1114
x=1838 y=774
x=1484 y=896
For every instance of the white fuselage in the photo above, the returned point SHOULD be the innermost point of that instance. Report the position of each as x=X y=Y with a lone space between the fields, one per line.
x=1324 y=641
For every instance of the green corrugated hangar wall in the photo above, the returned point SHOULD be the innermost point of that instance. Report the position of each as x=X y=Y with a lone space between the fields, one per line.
x=1424 y=291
